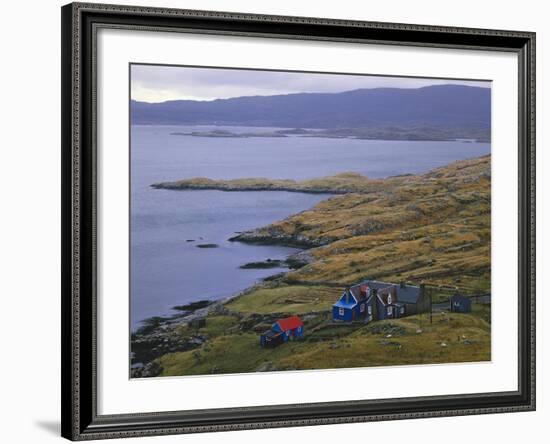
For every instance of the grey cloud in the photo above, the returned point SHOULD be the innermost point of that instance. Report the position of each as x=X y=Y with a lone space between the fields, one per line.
x=158 y=83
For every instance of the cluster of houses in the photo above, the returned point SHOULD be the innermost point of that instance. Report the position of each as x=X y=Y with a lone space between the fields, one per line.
x=367 y=301
x=374 y=300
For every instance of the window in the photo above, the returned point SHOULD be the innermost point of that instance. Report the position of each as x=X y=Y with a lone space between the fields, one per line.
x=370 y=309
x=390 y=311
x=362 y=308
x=341 y=312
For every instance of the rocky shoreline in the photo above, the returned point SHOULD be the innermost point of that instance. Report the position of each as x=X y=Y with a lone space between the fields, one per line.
x=165 y=335
x=272 y=236
x=149 y=344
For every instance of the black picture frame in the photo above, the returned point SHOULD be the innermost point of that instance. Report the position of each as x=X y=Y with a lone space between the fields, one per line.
x=80 y=420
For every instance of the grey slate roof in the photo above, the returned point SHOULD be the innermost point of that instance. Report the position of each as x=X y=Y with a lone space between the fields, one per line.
x=409 y=294
x=459 y=297
x=271 y=333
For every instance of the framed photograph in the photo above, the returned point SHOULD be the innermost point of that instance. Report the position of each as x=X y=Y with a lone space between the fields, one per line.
x=278 y=221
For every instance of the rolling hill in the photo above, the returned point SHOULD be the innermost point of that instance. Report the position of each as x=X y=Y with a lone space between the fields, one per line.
x=438 y=106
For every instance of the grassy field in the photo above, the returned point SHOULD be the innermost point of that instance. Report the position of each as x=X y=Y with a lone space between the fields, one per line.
x=433 y=228
x=283 y=298
x=413 y=340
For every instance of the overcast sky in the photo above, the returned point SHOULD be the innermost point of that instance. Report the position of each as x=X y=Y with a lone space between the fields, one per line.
x=152 y=83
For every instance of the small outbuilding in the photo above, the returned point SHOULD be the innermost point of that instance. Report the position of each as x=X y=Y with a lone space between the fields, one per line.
x=460 y=304
x=271 y=339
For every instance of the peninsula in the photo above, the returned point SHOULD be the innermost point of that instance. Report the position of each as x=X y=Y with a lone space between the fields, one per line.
x=434 y=228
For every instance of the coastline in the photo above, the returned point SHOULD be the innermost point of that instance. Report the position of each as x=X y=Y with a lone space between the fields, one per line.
x=160 y=339
x=444 y=215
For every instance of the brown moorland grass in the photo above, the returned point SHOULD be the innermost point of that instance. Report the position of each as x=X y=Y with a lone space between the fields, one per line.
x=433 y=228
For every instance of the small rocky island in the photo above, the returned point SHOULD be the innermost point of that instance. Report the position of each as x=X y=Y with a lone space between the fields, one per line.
x=413 y=133
x=229 y=134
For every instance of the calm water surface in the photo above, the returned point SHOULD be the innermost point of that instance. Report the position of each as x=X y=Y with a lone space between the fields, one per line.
x=167 y=269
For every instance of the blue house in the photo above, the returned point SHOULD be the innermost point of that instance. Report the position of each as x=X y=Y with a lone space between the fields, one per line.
x=355 y=303
x=281 y=331
x=460 y=304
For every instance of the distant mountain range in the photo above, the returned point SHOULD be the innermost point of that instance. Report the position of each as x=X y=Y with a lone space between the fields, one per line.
x=438 y=106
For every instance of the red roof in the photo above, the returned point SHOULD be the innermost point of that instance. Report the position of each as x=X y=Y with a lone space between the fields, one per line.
x=290 y=323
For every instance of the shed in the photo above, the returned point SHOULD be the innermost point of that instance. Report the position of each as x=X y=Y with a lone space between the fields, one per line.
x=460 y=304
x=271 y=338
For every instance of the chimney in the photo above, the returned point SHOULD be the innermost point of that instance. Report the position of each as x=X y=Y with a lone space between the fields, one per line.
x=402 y=284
